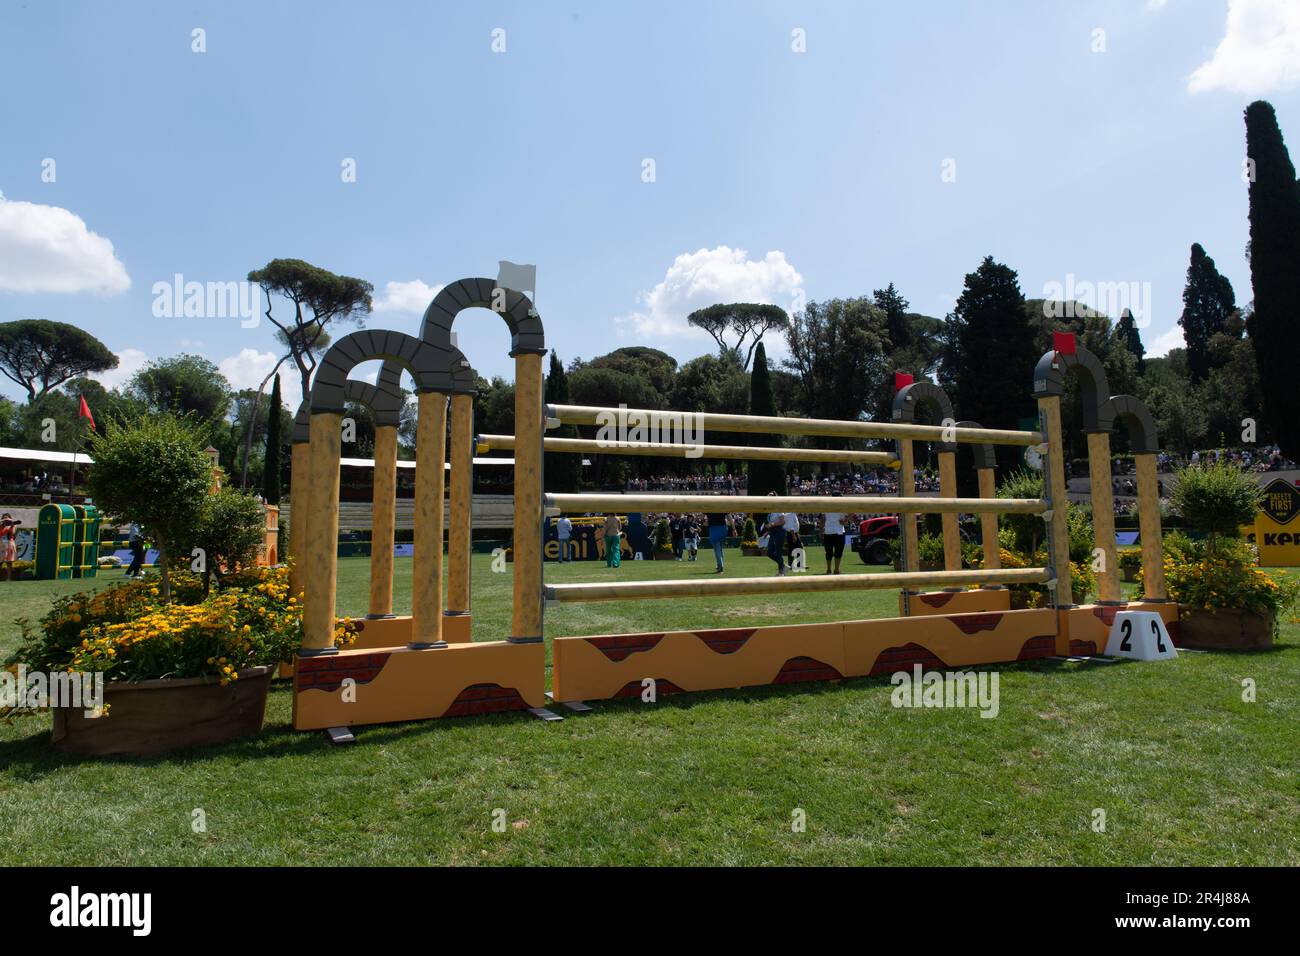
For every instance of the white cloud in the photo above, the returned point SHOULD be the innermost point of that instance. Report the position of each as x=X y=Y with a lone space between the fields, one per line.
x=413 y=296
x=1172 y=339
x=1259 y=52
x=49 y=249
x=707 y=277
x=249 y=367
x=129 y=361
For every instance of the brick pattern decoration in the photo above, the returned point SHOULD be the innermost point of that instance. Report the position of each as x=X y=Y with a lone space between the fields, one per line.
x=1036 y=647
x=633 y=688
x=1106 y=613
x=618 y=647
x=901 y=658
x=974 y=623
x=1083 y=648
x=328 y=671
x=485 y=699
x=936 y=598
x=726 y=640
x=798 y=669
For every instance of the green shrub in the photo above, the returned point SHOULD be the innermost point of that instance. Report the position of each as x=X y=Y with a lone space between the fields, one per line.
x=1217 y=499
x=663 y=538
x=929 y=549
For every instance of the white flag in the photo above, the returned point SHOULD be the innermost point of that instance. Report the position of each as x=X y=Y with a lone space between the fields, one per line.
x=520 y=278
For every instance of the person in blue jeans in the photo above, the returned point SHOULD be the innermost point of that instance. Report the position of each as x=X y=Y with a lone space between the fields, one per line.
x=717 y=536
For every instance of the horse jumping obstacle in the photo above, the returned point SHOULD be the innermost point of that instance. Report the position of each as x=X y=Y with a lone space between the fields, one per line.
x=425 y=666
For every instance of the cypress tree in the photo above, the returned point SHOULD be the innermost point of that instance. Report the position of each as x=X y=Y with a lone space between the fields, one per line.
x=1127 y=332
x=563 y=471
x=271 y=460
x=1274 y=273
x=994 y=350
x=890 y=301
x=1208 y=300
x=764 y=476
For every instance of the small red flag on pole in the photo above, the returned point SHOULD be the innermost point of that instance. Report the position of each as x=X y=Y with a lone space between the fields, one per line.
x=1063 y=342
x=83 y=411
x=901 y=381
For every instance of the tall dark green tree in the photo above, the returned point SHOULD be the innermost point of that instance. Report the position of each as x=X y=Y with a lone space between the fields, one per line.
x=40 y=355
x=890 y=301
x=991 y=352
x=764 y=476
x=1127 y=332
x=271 y=462
x=1208 y=301
x=1274 y=273
x=563 y=472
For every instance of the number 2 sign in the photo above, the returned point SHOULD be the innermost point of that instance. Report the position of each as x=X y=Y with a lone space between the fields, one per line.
x=1141 y=636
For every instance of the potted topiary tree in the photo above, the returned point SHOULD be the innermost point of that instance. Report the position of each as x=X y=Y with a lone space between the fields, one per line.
x=663 y=541
x=749 y=540
x=1225 y=602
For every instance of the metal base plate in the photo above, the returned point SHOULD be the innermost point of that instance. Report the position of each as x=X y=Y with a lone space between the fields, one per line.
x=341 y=735
x=544 y=714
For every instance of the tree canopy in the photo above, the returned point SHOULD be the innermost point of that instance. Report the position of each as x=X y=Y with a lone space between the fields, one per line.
x=40 y=355
x=749 y=321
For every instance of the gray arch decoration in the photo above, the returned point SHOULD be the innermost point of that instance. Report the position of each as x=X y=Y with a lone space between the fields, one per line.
x=910 y=399
x=1049 y=379
x=430 y=368
x=983 y=453
x=516 y=309
x=384 y=399
x=1137 y=418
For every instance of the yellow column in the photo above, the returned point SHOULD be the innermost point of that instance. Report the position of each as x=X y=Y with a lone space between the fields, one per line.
x=1054 y=481
x=1103 y=516
x=300 y=499
x=907 y=489
x=383 y=522
x=1153 y=560
x=526 y=621
x=462 y=482
x=948 y=489
x=989 y=521
x=320 y=565
x=430 y=455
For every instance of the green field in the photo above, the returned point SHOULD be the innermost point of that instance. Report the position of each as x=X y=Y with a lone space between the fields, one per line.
x=1186 y=772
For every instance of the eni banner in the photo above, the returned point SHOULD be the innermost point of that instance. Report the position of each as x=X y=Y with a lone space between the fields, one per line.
x=1277 y=527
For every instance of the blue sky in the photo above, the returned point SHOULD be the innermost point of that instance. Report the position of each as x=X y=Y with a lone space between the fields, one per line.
x=776 y=173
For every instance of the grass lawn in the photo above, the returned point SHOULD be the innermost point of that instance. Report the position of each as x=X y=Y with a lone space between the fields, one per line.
x=1186 y=771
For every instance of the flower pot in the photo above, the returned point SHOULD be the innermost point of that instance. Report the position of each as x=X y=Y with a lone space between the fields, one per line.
x=752 y=552
x=1223 y=629
x=662 y=555
x=156 y=716
x=1129 y=574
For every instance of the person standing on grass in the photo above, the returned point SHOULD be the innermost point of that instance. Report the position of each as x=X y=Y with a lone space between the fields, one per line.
x=135 y=541
x=677 y=529
x=792 y=540
x=613 y=544
x=693 y=536
x=774 y=527
x=833 y=537
x=563 y=532
x=8 y=544
x=718 y=536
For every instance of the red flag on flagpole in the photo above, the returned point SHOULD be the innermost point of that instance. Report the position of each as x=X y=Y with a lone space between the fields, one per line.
x=83 y=411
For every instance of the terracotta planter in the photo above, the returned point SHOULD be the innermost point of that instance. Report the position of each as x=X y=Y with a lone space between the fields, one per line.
x=1223 y=629
x=1129 y=575
x=662 y=556
x=156 y=716
x=752 y=552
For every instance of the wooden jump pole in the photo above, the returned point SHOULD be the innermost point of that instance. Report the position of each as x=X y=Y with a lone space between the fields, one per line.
x=383 y=523
x=462 y=482
x=951 y=533
x=805 y=427
x=426 y=568
x=664 y=450
x=988 y=520
x=911 y=542
x=1103 y=516
x=322 y=554
x=526 y=618
x=300 y=500
x=1153 y=561
x=724 y=587
x=579 y=503
x=1058 y=533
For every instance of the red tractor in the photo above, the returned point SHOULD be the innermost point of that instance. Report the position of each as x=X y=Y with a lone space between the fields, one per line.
x=874 y=536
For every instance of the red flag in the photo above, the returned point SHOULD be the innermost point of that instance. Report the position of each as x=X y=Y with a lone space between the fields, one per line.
x=1063 y=342
x=83 y=411
x=901 y=381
